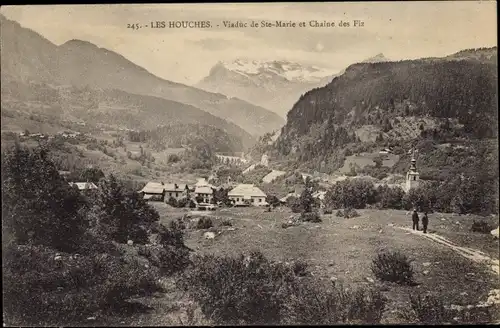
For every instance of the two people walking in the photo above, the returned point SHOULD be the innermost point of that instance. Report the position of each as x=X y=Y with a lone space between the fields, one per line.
x=415 y=218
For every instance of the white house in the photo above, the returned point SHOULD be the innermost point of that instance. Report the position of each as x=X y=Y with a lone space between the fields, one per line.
x=84 y=185
x=206 y=192
x=246 y=195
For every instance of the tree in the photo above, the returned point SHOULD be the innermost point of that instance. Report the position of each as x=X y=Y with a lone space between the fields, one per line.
x=119 y=214
x=38 y=206
x=199 y=199
x=91 y=175
x=306 y=199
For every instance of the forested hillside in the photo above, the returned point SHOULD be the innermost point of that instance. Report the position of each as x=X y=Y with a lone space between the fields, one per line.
x=452 y=99
x=184 y=134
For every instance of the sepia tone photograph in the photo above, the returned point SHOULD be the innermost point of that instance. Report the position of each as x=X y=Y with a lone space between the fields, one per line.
x=322 y=163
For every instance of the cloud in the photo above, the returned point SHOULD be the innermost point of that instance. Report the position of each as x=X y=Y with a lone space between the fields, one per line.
x=217 y=44
x=397 y=29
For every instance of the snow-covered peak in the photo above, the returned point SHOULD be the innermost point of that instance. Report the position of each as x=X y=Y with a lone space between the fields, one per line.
x=286 y=69
x=377 y=59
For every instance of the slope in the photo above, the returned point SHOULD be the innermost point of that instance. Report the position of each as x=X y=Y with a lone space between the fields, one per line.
x=27 y=56
x=453 y=100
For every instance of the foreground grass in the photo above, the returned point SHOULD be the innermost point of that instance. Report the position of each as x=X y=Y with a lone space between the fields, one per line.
x=344 y=248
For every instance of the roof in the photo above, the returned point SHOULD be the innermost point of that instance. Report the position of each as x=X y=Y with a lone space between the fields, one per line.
x=153 y=188
x=201 y=182
x=203 y=190
x=84 y=185
x=248 y=190
x=171 y=187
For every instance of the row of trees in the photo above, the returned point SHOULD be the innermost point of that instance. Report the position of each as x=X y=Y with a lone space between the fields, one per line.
x=462 y=195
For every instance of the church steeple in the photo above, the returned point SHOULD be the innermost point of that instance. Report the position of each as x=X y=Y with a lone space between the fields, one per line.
x=412 y=177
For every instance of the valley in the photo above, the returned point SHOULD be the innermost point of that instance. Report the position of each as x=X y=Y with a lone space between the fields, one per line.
x=271 y=192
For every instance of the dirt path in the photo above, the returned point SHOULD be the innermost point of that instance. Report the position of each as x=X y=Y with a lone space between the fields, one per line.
x=469 y=253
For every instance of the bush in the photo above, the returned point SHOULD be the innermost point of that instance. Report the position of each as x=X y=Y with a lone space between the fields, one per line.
x=393 y=267
x=431 y=310
x=173 y=202
x=170 y=255
x=237 y=290
x=253 y=290
x=300 y=267
x=43 y=286
x=481 y=226
x=226 y=223
x=428 y=310
x=312 y=303
x=347 y=213
x=327 y=211
x=204 y=223
x=310 y=217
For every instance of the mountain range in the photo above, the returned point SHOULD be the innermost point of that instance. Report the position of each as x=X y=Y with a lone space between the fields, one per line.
x=276 y=85
x=400 y=104
x=27 y=57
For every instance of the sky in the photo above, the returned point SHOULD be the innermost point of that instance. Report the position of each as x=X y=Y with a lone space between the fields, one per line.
x=399 y=30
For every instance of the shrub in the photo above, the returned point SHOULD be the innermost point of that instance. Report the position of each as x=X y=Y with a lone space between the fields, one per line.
x=347 y=213
x=481 y=226
x=428 y=310
x=170 y=255
x=327 y=211
x=310 y=217
x=227 y=223
x=191 y=204
x=253 y=290
x=312 y=303
x=204 y=223
x=43 y=286
x=393 y=267
x=173 y=202
x=299 y=268
x=238 y=290
x=182 y=202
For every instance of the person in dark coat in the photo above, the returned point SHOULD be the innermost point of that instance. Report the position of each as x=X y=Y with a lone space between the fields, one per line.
x=415 y=219
x=425 y=221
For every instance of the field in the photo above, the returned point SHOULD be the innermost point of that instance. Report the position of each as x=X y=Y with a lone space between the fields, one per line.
x=344 y=249
x=365 y=159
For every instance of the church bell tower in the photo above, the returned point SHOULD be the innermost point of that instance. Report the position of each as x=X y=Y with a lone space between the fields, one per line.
x=412 y=177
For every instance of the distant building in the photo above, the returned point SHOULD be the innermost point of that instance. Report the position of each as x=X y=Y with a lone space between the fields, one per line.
x=84 y=187
x=264 y=160
x=231 y=160
x=206 y=192
x=412 y=176
x=247 y=195
x=154 y=191
x=176 y=191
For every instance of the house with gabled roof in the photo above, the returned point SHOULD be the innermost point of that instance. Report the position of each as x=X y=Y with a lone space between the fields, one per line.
x=247 y=195
x=176 y=191
x=154 y=191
